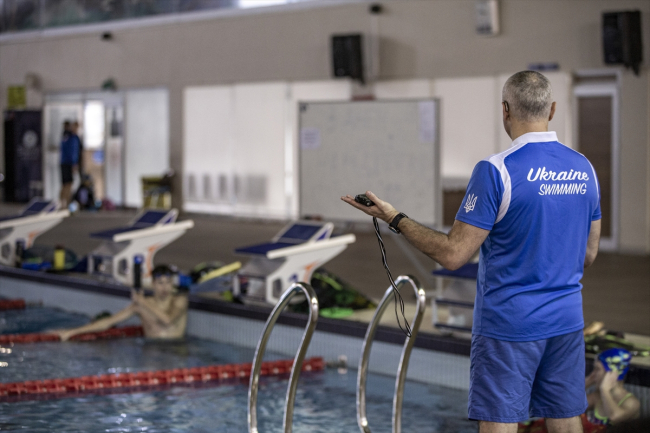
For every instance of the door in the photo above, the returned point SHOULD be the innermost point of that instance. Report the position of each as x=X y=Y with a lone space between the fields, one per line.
x=55 y=113
x=596 y=114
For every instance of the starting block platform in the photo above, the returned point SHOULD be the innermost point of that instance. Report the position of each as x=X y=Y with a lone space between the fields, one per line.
x=150 y=231
x=458 y=297
x=38 y=217
x=292 y=256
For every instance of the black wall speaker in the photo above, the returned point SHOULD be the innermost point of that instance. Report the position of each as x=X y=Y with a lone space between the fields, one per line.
x=622 y=39
x=347 y=56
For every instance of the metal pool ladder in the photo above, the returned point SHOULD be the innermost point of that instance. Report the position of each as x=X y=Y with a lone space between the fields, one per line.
x=292 y=291
x=362 y=419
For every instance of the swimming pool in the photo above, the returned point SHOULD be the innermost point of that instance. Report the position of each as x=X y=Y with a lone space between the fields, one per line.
x=325 y=401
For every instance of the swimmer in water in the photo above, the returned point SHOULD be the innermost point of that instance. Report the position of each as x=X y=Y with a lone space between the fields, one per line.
x=163 y=315
x=609 y=403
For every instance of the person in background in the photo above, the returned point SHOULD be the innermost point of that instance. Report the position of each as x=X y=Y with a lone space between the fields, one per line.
x=69 y=162
x=85 y=194
x=75 y=131
x=163 y=315
x=609 y=402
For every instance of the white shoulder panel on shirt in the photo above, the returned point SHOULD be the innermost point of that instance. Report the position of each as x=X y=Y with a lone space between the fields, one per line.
x=498 y=161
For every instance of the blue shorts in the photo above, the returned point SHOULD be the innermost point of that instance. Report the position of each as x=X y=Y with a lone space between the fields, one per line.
x=511 y=381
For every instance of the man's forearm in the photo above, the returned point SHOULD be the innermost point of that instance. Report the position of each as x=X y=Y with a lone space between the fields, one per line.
x=450 y=250
x=431 y=242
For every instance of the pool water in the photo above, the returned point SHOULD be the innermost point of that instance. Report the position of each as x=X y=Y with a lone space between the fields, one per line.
x=326 y=401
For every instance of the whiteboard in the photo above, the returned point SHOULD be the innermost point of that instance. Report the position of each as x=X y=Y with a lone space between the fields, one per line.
x=388 y=147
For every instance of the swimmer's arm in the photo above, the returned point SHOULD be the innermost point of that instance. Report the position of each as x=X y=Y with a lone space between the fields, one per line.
x=631 y=409
x=627 y=411
x=179 y=308
x=592 y=243
x=451 y=250
x=99 y=325
x=611 y=409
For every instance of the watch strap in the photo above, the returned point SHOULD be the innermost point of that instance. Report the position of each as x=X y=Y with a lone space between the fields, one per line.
x=395 y=222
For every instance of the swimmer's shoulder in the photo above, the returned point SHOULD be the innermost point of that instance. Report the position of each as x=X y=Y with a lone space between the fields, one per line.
x=181 y=299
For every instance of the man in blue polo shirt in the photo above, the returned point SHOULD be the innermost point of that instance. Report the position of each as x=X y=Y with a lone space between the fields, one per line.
x=69 y=161
x=534 y=212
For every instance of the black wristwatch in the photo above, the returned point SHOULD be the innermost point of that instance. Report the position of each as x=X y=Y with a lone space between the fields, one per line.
x=395 y=222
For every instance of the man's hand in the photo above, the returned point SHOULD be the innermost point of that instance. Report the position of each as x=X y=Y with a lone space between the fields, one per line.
x=382 y=210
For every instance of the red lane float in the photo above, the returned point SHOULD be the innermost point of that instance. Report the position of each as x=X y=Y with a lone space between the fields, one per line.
x=131 y=382
x=12 y=304
x=127 y=331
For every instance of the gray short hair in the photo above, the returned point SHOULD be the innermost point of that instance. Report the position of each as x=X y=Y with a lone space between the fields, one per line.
x=529 y=96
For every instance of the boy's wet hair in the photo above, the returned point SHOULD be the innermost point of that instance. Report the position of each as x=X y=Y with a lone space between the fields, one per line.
x=162 y=271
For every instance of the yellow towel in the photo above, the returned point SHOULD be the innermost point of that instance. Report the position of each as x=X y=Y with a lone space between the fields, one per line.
x=221 y=271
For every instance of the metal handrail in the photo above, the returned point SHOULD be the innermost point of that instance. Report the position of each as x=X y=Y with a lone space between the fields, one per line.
x=297 y=362
x=362 y=419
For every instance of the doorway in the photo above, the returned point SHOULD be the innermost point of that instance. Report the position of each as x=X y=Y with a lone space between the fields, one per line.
x=596 y=104
x=100 y=116
x=125 y=136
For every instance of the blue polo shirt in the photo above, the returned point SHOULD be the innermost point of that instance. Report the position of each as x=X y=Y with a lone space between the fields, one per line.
x=538 y=200
x=70 y=149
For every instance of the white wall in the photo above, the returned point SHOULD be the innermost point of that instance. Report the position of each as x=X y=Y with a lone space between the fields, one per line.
x=208 y=119
x=237 y=134
x=468 y=117
x=258 y=148
x=240 y=130
x=147 y=139
x=401 y=89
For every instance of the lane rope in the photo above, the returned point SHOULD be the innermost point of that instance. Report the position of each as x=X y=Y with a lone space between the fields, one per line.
x=141 y=381
x=109 y=334
x=12 y=304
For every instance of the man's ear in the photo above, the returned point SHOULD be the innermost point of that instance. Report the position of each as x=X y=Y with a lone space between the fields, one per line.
x=550 y=117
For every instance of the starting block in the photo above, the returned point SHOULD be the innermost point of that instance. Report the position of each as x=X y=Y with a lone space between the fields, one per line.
x=38 y=217
x=292 y=256
x=150 y=231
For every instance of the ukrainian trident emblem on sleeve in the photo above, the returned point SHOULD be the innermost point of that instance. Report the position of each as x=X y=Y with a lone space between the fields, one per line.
x=470 y=203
